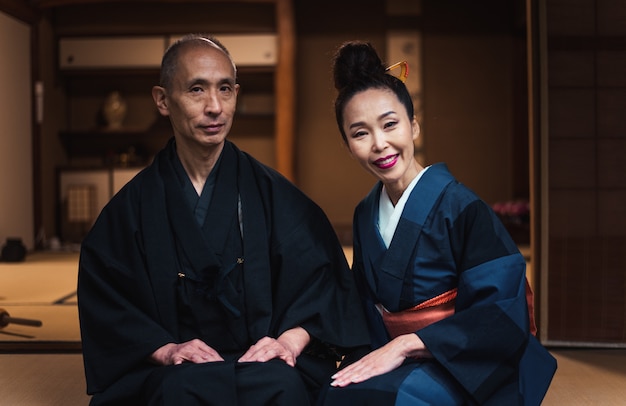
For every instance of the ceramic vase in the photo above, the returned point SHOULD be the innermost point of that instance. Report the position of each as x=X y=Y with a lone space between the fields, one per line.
x=13 y=250
x=114 y=110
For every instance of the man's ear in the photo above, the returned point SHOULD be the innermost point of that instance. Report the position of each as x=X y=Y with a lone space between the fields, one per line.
x=160 y=99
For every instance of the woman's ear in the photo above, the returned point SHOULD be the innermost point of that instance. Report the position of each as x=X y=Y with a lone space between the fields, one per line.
x=415 y=128
x=160 y=99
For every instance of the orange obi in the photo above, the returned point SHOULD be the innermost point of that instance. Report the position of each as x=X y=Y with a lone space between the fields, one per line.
x=420 y=316
x=435 y=309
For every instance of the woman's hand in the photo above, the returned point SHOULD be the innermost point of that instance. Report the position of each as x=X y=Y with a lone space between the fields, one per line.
x=287 y=347
x=384 y=359
x=195 y=351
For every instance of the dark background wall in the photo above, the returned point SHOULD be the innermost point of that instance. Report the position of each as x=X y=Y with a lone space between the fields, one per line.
x=474 y=95
x=474 y=117
x=473 y=75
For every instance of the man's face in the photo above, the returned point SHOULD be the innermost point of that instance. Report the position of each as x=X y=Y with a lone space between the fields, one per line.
x=202 y=97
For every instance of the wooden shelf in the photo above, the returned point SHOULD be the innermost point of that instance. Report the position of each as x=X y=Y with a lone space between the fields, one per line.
x=101 y=143
x=267 y=116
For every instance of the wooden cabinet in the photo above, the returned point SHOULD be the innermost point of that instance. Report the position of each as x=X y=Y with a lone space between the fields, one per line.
x=103 y=52
x=83 y=193
x=145 y=52
x=111 y=52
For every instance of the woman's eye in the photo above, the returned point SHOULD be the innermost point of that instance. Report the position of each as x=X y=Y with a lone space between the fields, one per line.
x=390 y=124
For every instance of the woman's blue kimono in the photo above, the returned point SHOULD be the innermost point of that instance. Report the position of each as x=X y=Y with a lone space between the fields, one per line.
x=484 y=353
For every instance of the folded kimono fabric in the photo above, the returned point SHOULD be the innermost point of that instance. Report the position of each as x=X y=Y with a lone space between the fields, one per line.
x=420 y=316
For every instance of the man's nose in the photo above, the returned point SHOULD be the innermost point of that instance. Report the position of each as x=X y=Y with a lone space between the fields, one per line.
x=212 y=104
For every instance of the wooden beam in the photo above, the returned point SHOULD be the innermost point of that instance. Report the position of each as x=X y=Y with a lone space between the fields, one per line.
x=42 y=4
x=20 y=10
x=285 y=89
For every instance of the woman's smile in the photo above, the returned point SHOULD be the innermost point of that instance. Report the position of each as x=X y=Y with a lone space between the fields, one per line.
x=387 y=162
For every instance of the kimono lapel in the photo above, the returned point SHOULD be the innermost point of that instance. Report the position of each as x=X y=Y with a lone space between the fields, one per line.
x=256 y=266
x=189 y=235
x=205 y=249
x=159 y=243
x=159 y=199
x=394 y=264
x=372 y=244
x=165 y=218
x=223 y=206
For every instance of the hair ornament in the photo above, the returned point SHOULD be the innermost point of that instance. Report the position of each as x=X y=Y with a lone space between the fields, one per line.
x=404 y=70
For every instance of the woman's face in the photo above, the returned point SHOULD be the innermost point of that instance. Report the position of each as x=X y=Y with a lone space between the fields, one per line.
x=380 y=136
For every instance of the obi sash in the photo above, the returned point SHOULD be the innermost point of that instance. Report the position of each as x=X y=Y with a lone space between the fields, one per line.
x=420 y=316
x=435 y=309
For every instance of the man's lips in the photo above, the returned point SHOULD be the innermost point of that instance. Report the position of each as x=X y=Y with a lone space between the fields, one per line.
x=386 y=162
x=211 y=128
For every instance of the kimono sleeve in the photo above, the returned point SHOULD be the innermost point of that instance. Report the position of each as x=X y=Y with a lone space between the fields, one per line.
x=482 y=343
x=117 y=311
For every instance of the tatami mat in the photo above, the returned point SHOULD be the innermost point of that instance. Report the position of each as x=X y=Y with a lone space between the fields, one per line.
x=43 y=288
x=42 y=380
x=43 y=278
x=588 y=377
x=59 y=325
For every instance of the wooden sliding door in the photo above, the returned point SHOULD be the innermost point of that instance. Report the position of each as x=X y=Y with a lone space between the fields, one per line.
x=579 y=169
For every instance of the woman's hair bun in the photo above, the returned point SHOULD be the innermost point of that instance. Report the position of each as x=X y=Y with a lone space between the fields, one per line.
x=356 y=62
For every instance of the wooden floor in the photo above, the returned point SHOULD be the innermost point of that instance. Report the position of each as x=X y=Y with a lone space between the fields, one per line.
x=588 y=377
x=42 y=380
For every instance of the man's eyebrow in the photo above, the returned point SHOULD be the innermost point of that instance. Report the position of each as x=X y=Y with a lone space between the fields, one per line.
x=204 y=82
x=197 y=81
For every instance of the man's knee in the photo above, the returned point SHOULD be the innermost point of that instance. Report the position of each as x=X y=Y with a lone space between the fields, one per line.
x=255 y=383
x=275 y=381
x=190 y=384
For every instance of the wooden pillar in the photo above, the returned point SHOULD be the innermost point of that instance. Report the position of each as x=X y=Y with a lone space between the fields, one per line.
x=285 y=89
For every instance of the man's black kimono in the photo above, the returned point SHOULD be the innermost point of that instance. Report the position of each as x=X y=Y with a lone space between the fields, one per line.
x=264 y=260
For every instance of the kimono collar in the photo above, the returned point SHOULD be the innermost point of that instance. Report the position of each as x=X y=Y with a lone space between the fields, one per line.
x=386 y=270
x=388 y=215
x=159 y=234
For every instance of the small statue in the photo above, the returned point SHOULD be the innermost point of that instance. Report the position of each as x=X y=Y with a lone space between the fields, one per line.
x=114 y=110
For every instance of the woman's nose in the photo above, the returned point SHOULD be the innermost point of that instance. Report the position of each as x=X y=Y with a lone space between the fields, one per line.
x=378 y=141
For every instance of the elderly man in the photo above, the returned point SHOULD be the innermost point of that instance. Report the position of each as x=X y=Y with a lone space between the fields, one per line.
x=209 y=279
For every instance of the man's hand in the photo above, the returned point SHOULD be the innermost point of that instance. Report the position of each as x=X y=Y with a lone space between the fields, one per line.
x=286 y=347
x=195 y=351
